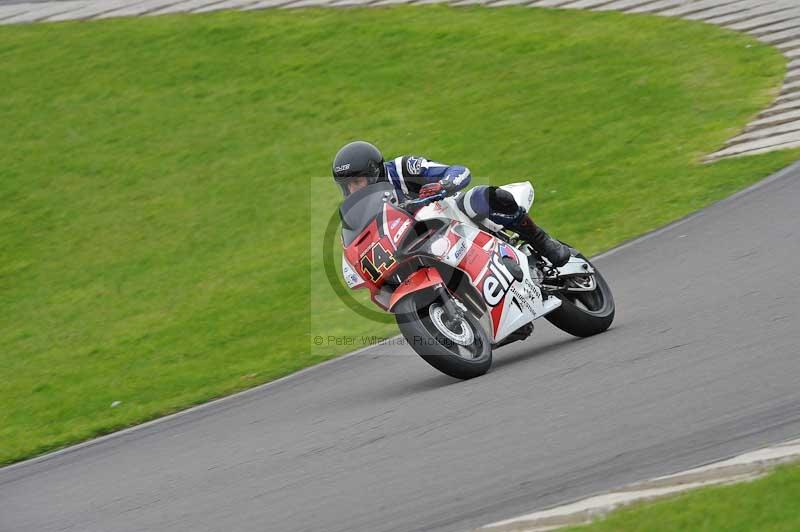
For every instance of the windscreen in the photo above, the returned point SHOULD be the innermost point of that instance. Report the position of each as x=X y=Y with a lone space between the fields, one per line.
x=361 y=207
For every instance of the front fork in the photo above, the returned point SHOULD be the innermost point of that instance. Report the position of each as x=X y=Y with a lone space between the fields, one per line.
x=454 y=311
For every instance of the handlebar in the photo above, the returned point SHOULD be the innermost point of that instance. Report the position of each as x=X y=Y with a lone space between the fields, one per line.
x=422 y=201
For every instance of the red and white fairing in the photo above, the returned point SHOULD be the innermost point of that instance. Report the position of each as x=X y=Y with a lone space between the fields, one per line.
x=372 y=258
x=511 y=304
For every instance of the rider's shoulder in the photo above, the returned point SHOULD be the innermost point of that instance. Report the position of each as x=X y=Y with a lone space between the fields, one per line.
x=407 y=165
x=414 y=164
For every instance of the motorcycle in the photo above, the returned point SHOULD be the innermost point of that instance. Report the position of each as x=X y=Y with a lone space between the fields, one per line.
x=457 y=290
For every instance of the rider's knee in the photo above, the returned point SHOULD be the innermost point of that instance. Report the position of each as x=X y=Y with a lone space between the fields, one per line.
x=475 y=202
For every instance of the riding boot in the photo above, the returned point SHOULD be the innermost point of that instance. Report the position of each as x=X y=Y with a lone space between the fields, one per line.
x=557 y=253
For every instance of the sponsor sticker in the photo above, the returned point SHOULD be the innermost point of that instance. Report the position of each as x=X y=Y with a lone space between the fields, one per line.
x=402 y=230
x=350 y=276
x=497 y=282
x=460 y=250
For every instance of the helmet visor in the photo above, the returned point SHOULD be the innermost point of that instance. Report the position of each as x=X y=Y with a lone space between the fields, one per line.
x=354 y=183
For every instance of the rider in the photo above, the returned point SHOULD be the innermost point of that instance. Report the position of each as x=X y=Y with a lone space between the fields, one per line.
x=360 y=163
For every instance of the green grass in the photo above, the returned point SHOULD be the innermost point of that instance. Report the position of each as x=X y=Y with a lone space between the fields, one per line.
x=769 y=504
x=163 y=180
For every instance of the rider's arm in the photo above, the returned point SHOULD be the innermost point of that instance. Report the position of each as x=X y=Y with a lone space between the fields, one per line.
x=414 y=172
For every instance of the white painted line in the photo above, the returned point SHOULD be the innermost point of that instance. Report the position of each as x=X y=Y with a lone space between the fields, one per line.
x=754 y=23
x=550 y=3
x=790 y=87
x=779 y=108
x=785 y=117
x=44 y=11
x=757 y=151
x=750 y=148
x=744 y=467
x=782 y=451
x=657 y=8
x=758 y=144
x=768 y=132
x=690 y=8
x=621 y=5
x=781 y=37
x=629 y=6
x=788 y=98
x=89 y=11
x=597 y=506
x=732 y=9
x=138 y=8
x=390 y=3
x=585 y=4
x=351 y=3
x=503 y=3
x=295 y=4
x=793 y=22
x=226 y=4
x=184 y=7
x=787 y=46
x=13 y=10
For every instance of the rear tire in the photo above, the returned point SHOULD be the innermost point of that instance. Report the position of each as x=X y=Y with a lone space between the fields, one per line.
x=585 y=314
x=459 y=361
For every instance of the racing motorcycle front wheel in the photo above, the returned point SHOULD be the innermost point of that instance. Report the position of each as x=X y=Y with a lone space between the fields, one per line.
x=584 y=313
x=445 y=334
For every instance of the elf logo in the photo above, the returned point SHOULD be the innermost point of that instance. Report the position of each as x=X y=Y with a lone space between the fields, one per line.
x=497 y=282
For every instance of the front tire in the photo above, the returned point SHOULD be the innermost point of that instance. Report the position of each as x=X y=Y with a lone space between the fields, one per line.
x=419 y=320
x=585 y=314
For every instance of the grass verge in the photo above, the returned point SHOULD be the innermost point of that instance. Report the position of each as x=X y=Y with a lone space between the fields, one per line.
x=768 y=504
x=162 y=178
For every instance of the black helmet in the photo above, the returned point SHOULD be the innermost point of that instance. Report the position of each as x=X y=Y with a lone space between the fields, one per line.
x=355 y=160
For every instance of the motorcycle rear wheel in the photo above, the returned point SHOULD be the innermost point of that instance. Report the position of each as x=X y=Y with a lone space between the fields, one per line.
x=417 y=319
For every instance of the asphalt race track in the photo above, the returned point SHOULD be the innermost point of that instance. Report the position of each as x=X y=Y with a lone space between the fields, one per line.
x=702 y=363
